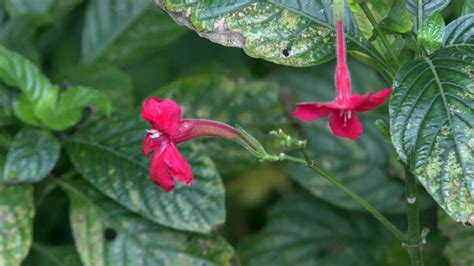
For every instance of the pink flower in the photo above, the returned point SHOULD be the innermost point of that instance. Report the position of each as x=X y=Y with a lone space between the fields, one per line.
x=344 y=121
x=169 y=130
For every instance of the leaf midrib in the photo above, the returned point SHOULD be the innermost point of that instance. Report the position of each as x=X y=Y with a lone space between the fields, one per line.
x=448 y=114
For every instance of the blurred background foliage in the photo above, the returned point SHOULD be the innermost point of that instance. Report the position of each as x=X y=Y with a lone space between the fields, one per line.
x=133 y=50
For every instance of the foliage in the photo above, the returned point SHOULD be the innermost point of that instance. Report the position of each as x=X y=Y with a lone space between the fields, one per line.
x=75 y=186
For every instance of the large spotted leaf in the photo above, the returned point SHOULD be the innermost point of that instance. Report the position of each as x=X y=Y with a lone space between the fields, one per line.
x=16 y=223
x=289 y=32
x=109 y=156
x=302 y=230
x=107 y=234
x=431 y=120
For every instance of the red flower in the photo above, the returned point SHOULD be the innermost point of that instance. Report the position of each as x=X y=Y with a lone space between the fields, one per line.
x=166 y=163
x=344 y=121
x=169 y=130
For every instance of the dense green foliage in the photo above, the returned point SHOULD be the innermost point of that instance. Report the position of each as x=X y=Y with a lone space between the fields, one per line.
x=74 y=184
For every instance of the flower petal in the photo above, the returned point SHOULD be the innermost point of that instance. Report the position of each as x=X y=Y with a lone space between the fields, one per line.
x=148 y=144
x=160 y=173
x=177 y=165
x=350 y=128
x=368 y=101
x=163 y=115
x=311 y=111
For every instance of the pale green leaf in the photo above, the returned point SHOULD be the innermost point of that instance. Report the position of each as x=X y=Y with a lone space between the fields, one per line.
x=431 y=121
x=431 y=33
x=305 y=231
x=40 y=101
x=108 y=154
x=68 y=110
x=16 y=223
x=107 y=234
x=105 y=21
x=31 y=157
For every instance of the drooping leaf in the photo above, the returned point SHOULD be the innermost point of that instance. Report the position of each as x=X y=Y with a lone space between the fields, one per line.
x=105 y=21
x=31 y=157
x=460 y=32
x=286 y=32
x=399 y=19
x=252 y=105
x=16 y=222
x=108 y=155
x=107 y=234
x=106 y=78
x=431 y=121
x=48 y=255
x=420 y=10
x=432 y=32
x=305 y=231
x=459 y=249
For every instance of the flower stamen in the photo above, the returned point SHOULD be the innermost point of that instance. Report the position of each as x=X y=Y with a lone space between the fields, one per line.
x=154 y=134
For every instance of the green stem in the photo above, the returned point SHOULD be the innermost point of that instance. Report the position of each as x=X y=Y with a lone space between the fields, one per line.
x=313 y=166
x=379 y=32
x=414 y=243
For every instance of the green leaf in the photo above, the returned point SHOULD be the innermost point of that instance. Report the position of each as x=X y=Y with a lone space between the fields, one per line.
x=107 y=234
x=16 y=223
x=106 y=78
x=31 y=157
x=460 y=32
x=281 y=31
x=431 y=119
x=459 y=249
x=468 y=7
x=68 y=110
x=17 y=35
x=151 y=32
x=432 y=32
x=420 y=10
x=305 y=231
x=39 y=12
x=253 y=105
x=40 y=101
x=48 y=255
x=108 y=155
x=105 y=21
x=399 y=19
